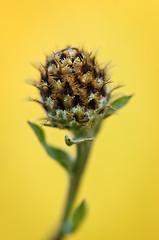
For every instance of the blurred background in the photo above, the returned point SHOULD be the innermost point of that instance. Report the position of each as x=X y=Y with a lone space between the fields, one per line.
x=121 y=183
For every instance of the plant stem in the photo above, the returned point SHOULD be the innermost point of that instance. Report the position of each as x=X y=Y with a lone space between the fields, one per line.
x=83 y=150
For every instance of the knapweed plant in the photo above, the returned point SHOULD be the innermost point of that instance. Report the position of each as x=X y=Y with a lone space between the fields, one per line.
x=76 y=95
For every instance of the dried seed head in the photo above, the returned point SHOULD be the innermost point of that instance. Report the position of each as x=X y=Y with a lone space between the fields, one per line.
x=73 y=89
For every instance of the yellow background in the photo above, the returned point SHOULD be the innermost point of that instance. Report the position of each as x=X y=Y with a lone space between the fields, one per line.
x=121 y=184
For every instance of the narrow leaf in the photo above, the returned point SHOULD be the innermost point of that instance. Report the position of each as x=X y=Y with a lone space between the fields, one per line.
x=38 y=132
x=117 y=104
x=70 y=141
x=74 y=222
x=57 y=154
x=78 y=215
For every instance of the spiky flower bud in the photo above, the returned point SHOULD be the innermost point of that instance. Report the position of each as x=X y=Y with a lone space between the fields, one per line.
x=73 y=89
x=75 y=95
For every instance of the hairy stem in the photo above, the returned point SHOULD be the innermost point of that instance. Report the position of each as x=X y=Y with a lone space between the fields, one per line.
x=83 y=150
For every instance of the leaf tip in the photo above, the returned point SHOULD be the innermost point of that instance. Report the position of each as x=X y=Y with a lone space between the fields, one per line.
x=68 y=140
x=30 y=123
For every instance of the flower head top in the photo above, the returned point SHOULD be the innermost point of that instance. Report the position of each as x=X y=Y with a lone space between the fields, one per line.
x=73 y=89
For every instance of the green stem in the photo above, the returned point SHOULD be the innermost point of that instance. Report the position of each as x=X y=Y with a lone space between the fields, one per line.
x=83 y=150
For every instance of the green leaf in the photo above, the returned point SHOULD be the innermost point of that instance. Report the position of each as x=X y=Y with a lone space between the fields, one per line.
x=74 y=222
x=78 y=216
x=57 y=154
x=38 y=132
x=70 y=141
x=117 y=104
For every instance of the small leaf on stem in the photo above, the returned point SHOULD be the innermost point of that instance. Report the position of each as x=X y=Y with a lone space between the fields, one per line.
x=74 y=222
x=78 y=215
x=70 y=141
x=117 y=104
x=57 y=154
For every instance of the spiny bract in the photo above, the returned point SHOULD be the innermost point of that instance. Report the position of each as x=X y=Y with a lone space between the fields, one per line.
x=73 y=89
